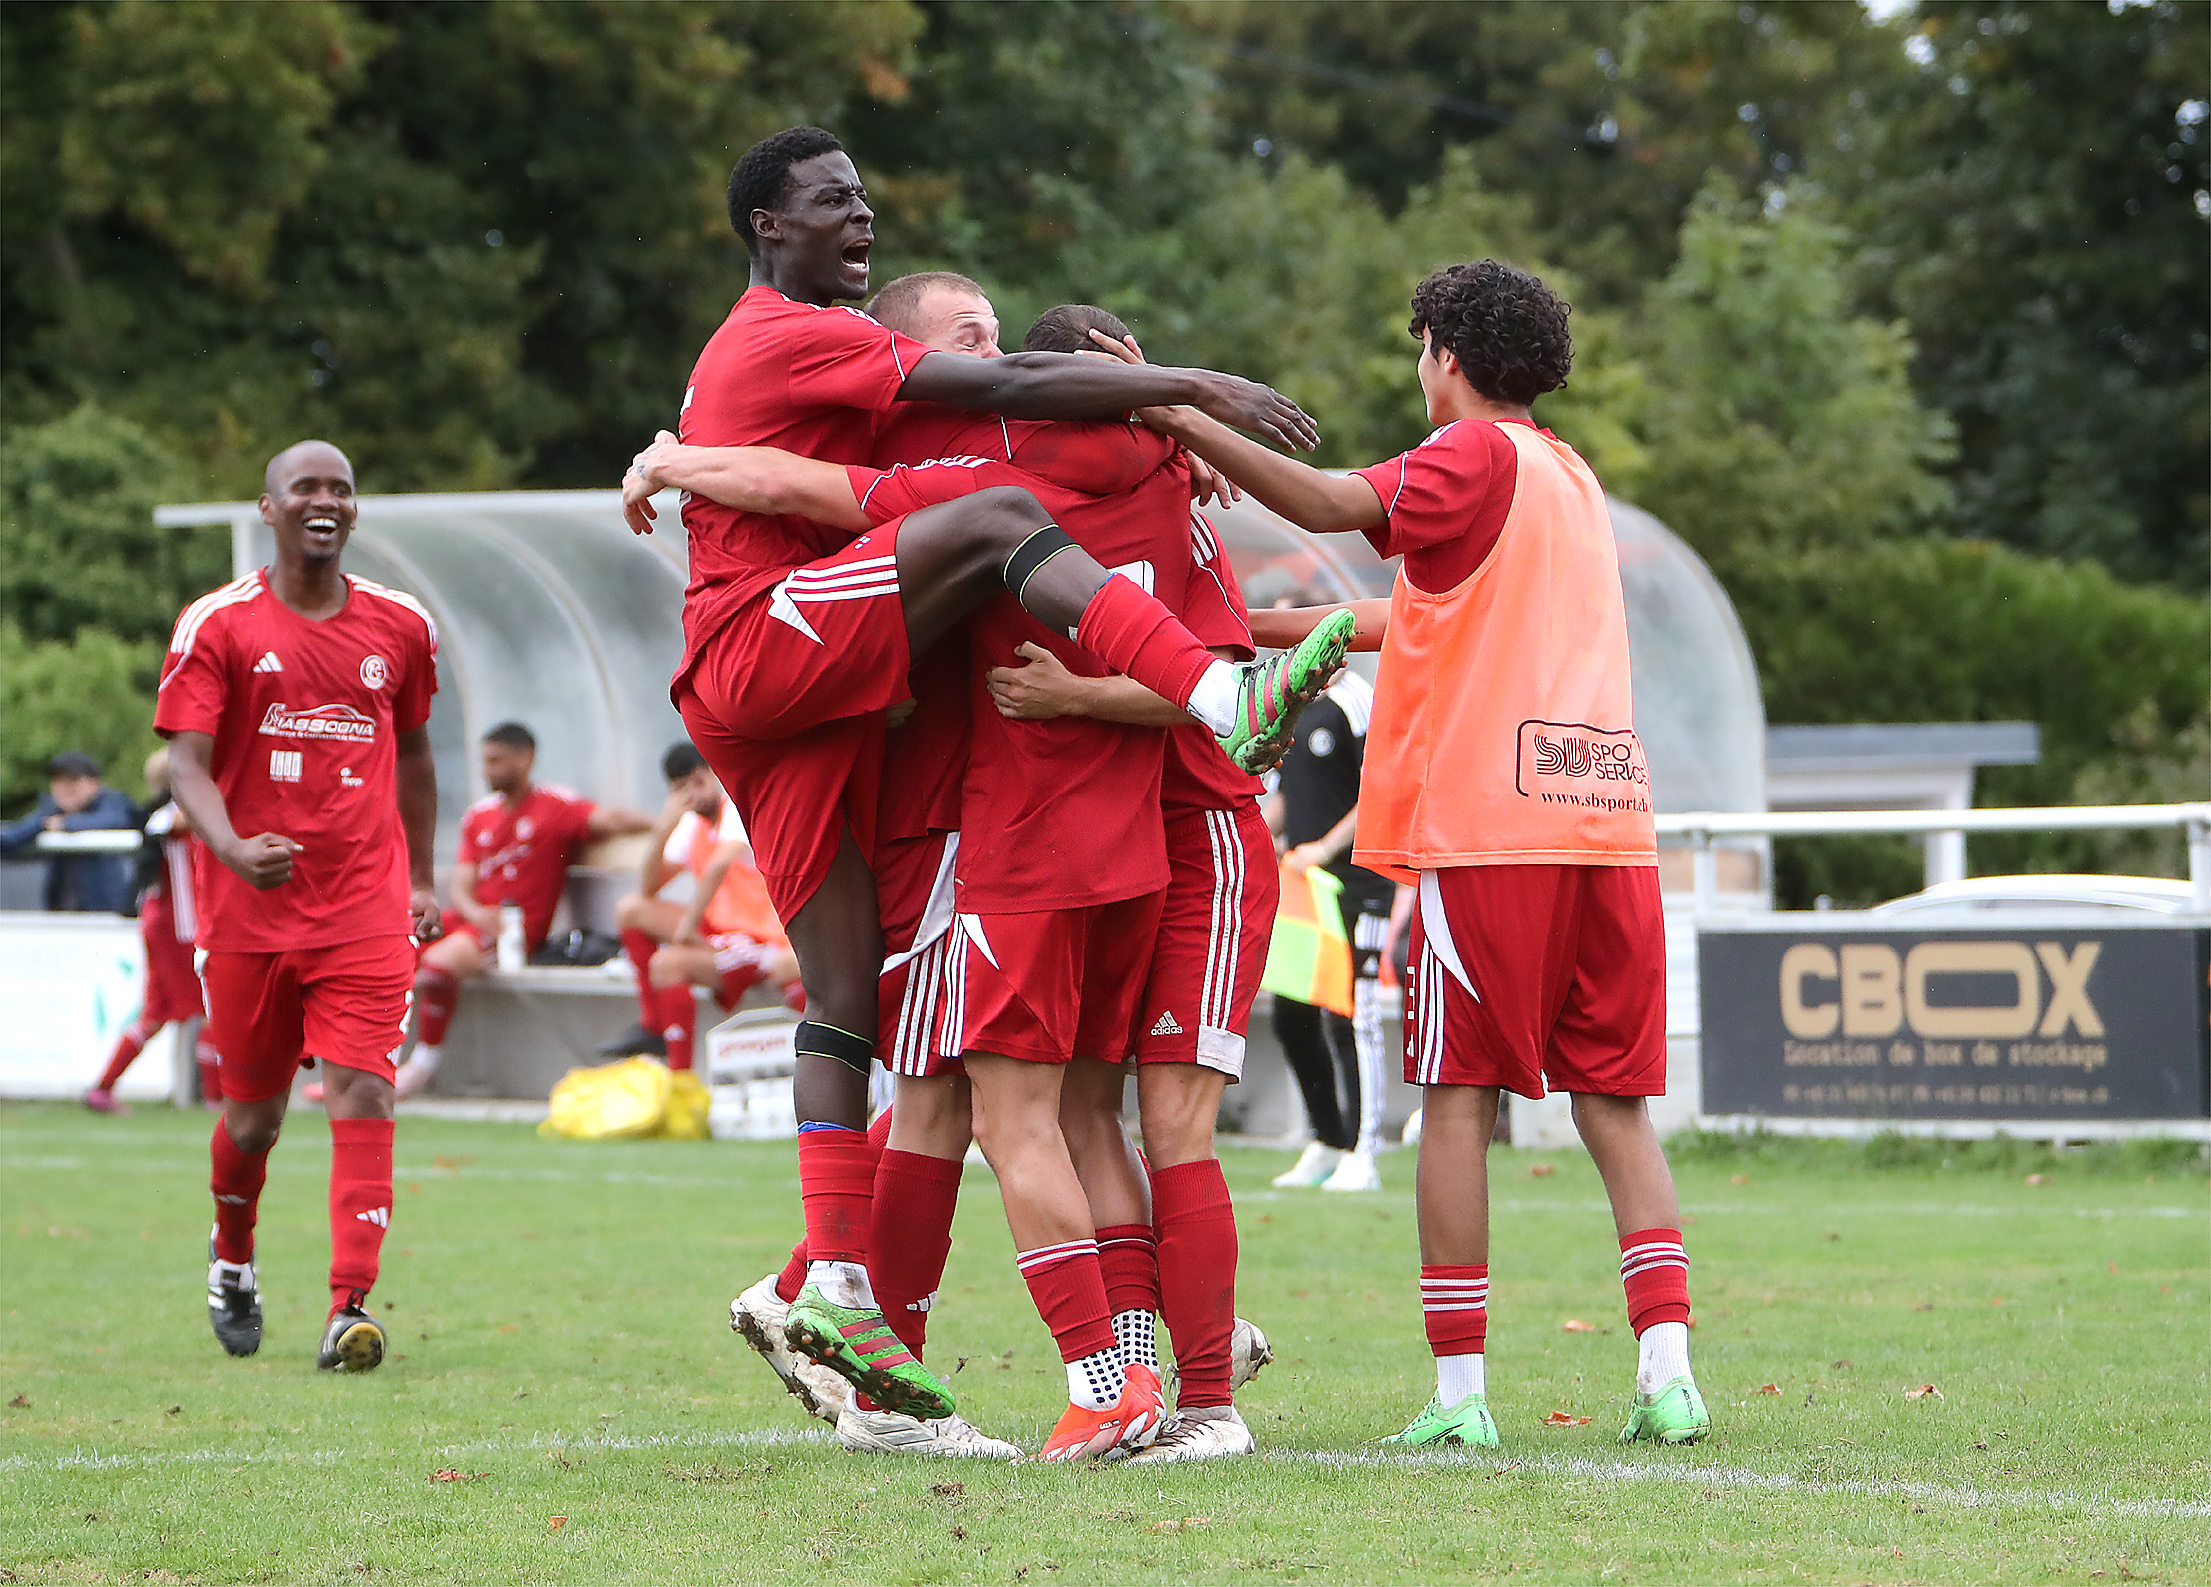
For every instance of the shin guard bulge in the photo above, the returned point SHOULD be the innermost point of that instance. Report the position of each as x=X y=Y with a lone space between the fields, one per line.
x=836 y=1178
x=1654 y=1270
x=1136 y=636
x=910 y=1239
x=236 y=1180
x=1454 y=1307
x=360 y=1203
x=1196 y=1224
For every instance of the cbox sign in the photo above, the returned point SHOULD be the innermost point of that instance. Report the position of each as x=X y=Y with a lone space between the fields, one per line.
x=2009 y=1021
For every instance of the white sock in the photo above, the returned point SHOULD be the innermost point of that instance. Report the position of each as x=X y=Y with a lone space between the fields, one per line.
x=1459 y=1376
x=1138 y=1337
x=1213 y=701
x=1662 y=1355
x=425 y=1058
x=1095 y=1382
x=841 y=1283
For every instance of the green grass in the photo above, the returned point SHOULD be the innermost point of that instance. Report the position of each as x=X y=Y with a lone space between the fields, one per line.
x=559 y=1313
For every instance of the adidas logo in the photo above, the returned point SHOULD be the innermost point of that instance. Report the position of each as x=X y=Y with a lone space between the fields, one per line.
x=1166 y=1026
x=380 y=1216
x=268 y=662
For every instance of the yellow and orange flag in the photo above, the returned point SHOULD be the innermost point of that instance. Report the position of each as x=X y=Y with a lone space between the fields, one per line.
x=1309 y=960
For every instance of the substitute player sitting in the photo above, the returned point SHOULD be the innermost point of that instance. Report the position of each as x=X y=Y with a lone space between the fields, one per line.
x=1504 y=779
x=296 y=701
x=516 y=846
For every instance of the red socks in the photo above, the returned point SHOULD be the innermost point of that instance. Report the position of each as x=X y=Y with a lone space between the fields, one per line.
x=1069 y=1290
x=1197 y=1275
x=679 y=1014
x=1654 y=1270
x=793 y=1277
x=360 y=1203
x=127 y=1048
x=1136 y=636
x=836 y=1176
x=1454 y=1303
x=1130 y=1260
x=236 y=1181
x=910 y=1238
x=437 y=994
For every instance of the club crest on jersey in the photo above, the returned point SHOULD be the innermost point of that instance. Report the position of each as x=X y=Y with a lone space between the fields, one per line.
x=373 y=671
x=323 y=722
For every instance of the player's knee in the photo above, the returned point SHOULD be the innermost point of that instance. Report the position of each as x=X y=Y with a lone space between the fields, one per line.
x=1006 y=515
x=664 y=970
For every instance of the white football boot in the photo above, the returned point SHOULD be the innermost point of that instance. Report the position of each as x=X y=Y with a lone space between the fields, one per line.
x=889 y=1432
x=1355 y=1172
x=758 y=1314
x=1411 y=1135
x=1198 y=1435
x=1315 y=1165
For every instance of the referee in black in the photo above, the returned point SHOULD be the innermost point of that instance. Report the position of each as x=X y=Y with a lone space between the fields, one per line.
x=1338 y=1061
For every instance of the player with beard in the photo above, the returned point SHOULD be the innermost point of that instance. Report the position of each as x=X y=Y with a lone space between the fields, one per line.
x=296 y=702
x=798 y=638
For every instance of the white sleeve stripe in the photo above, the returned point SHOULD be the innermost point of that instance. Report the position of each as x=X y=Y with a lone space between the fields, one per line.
x=188 y=625
x=397 y=598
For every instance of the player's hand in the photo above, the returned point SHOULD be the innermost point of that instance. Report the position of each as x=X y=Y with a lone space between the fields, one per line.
x=1265 y=412
x=642 y=483
x=901 y=713
x=686 y=934
x=422 y=903
x=263 y=860
x=484 y=918
x=1208 y=483
x=1303 y=858
x=1037 y=691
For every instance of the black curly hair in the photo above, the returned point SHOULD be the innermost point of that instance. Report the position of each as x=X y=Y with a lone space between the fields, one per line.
x=1505 y=327
x=762 y=177
x=1067 y=328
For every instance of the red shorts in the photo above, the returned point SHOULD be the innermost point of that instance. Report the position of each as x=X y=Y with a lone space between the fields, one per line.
x=1524 y=975
x=172 y=986
x=346 y=1004
x=742 y=961
x=1211 y=949
x=1045 y=987
x=786 y=703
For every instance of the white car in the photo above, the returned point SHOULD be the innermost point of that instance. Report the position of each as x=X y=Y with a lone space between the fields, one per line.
x=2089 y=897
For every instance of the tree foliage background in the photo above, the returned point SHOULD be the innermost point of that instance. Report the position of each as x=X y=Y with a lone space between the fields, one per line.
x=1901 y=322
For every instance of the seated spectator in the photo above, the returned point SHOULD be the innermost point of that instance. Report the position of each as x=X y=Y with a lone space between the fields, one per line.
x=78 y=801
x=725 y=937
x=167 y=922
x=516 y=846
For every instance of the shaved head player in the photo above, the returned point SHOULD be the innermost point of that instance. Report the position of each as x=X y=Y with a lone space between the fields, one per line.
x=296 y=702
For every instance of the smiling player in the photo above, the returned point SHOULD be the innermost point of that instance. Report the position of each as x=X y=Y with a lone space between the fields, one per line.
x=296 y=702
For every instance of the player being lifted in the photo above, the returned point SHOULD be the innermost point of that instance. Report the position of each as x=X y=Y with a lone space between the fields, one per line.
x=296 y=702
x=798 y=638
x=1504 y=780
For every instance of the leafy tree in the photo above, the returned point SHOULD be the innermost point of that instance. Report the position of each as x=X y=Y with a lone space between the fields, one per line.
x=2036 y=199
x=93 y=693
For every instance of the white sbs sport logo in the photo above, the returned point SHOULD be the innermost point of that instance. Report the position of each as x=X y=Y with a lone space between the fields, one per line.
x=373 y=672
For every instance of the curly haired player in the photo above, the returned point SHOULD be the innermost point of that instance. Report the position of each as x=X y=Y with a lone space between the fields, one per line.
x=1538 y=948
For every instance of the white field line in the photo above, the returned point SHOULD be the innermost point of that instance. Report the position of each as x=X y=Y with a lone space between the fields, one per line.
x=1578 y=1467
x=616 y=1176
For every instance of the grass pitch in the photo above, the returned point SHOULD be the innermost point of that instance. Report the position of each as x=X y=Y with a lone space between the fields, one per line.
x=561 y=1345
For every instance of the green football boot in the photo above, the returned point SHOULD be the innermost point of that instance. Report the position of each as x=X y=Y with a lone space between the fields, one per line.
x=1274 y=691
x=857 y=1344
x=1674 y=1415
x=1464 y=1424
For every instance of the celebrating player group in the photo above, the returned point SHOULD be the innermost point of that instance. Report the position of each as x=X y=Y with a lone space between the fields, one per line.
x=977 y=677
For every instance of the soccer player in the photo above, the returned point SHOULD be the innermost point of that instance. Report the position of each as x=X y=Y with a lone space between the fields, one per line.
x=1504 y=780
x=167 y=921
x=1337 y=1061
x=516 y=846
x=724 y=937
x=296 y=702
x=798 y=638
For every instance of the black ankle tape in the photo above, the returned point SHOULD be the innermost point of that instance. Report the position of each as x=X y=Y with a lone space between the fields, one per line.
x=826 y=1041
x=1030 y=556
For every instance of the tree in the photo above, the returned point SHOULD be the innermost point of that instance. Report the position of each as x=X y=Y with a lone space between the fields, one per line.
x=2036 y=199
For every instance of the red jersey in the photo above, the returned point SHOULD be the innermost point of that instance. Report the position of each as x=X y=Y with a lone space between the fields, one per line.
x=1198 y=774
x=1447 y=499
x=522 y=854
x=304 y=715
x=1060 y=814
x=815 y=381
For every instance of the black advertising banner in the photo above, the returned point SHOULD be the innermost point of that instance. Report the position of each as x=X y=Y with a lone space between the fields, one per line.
x=1861 y=1017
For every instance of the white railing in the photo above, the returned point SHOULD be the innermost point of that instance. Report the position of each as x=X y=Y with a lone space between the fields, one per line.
x=1701 y=827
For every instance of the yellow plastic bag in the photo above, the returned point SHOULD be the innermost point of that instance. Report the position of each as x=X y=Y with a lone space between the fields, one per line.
x=617 y=1101
x=684 y=1118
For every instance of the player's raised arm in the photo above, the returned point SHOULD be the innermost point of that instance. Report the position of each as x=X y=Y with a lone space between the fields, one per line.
x=750 y=478
x=1282 y=627
x=418 y=815
x=1042 y=688
x=1068 y=386
x=263 y=860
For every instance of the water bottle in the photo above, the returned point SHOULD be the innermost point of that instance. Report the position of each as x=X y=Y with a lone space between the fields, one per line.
x=513 y=948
